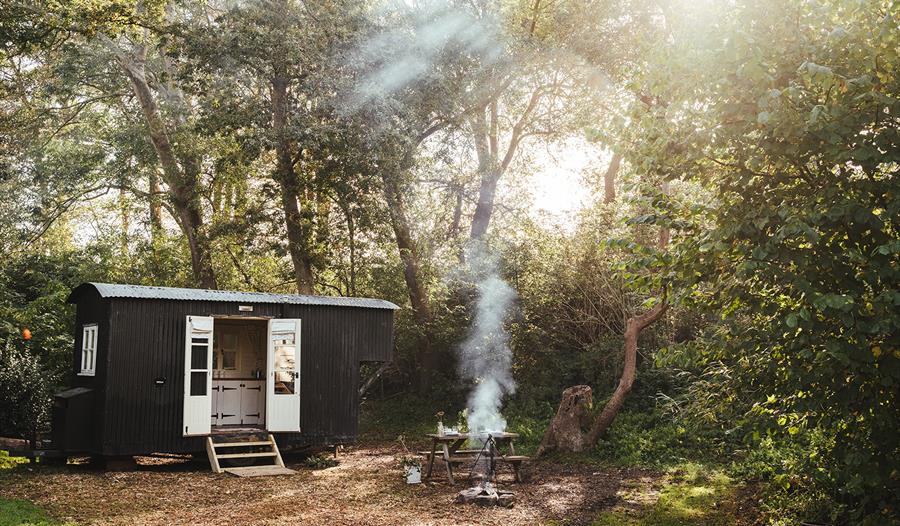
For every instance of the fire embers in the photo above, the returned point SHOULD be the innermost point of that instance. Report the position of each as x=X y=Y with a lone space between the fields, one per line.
x=485 y=494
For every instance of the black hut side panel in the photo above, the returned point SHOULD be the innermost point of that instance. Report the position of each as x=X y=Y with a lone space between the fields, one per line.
x=334 y=342
x=78 y=413
x=140 y=392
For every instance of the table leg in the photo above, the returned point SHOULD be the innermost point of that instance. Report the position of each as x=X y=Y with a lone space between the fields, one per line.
x=431 y=458
x=447 y=463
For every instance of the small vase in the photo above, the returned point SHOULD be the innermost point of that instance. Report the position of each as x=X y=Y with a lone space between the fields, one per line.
x=440 y=428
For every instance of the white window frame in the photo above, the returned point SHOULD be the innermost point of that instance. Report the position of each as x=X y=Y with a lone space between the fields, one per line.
x=88 y=349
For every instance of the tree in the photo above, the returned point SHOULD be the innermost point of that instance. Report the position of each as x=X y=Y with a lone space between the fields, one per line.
x=799 y=248
x=180 y=160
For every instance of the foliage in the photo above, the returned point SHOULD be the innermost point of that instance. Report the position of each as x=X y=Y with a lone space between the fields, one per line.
x=761 y=134
x=8 y=462
x=796 y=141
x=25 y=393
x=694 y=495
x=320 y=461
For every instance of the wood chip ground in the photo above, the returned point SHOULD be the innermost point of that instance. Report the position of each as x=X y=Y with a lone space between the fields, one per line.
x=367 y=488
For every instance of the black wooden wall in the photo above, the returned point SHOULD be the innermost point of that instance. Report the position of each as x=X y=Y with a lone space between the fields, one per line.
x=144 y=340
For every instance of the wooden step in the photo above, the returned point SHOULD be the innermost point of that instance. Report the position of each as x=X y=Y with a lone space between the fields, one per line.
x=215 y=456
x=249 y=455
x=260 y=471
x=242 y=444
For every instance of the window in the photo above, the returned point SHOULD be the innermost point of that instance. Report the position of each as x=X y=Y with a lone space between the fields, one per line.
x=88 y=350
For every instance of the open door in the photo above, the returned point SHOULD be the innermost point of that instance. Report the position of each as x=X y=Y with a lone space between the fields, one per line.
x=198 y=375
x=283 y=378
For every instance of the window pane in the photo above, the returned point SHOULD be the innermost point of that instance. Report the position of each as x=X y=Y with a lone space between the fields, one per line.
x=284 y=357
x=284 y=383
x=198 y=356
x=285 y=366
x=229 y=360
x=198 y=384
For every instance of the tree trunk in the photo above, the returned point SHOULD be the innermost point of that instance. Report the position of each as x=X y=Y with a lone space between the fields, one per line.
x=485 y=207
x=181 y=177
x=351 y=235
x=155 y=206
x=609 y=179
x=633 y=329
x=565 y=430
x=453 y=231
x=408 y=253
x=290 y=191
x=375 y=376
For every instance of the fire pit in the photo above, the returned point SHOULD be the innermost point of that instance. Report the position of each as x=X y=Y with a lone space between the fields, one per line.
x=485 y=493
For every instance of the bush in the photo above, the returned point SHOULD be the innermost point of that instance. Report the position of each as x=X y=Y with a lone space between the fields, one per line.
x=25 y=393
x=320 y=461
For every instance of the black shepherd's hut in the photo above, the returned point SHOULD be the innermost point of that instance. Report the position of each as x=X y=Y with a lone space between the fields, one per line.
x=157 y=369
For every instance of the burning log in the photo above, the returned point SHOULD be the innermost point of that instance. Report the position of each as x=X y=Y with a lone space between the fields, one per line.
x=485 y=494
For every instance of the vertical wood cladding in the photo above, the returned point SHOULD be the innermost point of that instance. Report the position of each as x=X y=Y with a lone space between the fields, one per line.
x=140 y=368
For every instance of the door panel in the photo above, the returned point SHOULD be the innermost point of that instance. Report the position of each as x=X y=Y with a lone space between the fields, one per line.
x=283 y=378
x=229 y=402
x=198 y=375
x=252 y=402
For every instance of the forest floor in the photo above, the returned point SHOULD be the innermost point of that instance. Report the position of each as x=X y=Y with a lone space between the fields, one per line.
x=365 y=488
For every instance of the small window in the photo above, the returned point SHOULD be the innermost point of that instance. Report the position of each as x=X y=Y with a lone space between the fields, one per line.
x=88 y=350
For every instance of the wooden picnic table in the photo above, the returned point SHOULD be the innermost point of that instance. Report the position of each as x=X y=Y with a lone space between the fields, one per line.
x=450 y=452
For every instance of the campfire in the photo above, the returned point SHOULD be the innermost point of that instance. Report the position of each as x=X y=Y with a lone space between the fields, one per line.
x=485 y=492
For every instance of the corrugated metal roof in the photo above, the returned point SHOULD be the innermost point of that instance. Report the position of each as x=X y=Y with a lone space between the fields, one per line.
x=113 y=290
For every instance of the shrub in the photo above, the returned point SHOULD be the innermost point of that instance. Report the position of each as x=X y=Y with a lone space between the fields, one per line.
x=320 y=461
x=25 y=392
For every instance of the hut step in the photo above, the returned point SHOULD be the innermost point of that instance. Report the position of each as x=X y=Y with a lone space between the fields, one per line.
x=215 y=457
x=241 y=444
x=249 y=455
x=259 y=471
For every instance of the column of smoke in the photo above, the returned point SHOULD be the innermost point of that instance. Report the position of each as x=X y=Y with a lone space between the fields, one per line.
x=485 y=357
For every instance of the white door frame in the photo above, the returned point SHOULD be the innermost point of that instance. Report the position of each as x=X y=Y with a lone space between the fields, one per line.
x=198 y=335
x=283 y=349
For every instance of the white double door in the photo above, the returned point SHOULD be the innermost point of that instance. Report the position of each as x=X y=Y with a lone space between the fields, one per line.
x=238 y=402
x=282 y=384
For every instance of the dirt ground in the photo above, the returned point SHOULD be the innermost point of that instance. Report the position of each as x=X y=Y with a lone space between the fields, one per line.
x=366 y=488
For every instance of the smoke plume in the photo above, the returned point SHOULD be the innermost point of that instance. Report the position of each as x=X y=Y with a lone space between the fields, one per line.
x=485 y=357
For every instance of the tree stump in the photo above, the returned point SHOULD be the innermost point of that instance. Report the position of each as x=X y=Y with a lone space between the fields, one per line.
x=565 y=430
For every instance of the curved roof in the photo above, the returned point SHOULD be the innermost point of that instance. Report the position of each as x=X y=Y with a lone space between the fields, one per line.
x=113 y=290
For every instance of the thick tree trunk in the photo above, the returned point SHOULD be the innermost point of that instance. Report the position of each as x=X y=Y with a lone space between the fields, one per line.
x=418 y=298
x=181 y=177
x=484 y=209
x=492 y=163
x=286 y=177
x=633 y=329
x=609 y=179
x=565 y=430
